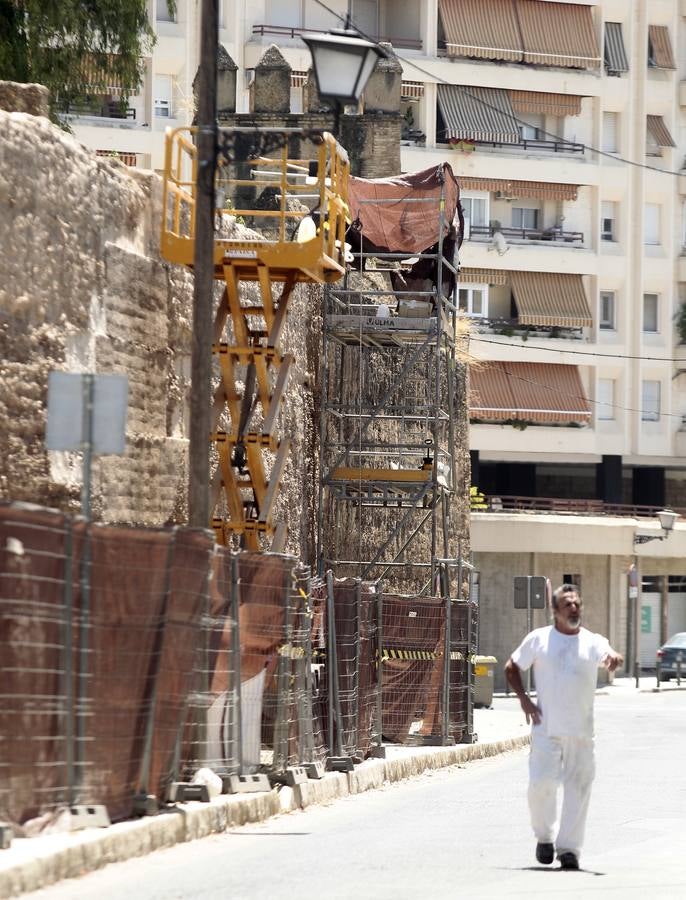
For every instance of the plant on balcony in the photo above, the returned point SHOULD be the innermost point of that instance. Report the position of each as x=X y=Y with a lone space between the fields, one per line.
x=680 y=320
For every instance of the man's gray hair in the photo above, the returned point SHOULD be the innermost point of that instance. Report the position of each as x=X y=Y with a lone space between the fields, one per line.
x=566 y=588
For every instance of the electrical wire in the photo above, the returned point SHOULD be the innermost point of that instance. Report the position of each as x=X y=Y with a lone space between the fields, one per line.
x=549 y=134
x=528 y=346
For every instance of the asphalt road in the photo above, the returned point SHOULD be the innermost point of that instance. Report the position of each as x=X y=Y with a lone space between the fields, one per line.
x=461 y=832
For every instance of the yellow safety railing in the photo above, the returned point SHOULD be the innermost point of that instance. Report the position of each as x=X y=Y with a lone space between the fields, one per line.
x=289 y=190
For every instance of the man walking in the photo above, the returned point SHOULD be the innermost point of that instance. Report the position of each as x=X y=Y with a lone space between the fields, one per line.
x=565 y=659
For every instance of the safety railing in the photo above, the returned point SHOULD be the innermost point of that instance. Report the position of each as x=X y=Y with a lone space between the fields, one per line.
x=298 y=205
x=569 y=505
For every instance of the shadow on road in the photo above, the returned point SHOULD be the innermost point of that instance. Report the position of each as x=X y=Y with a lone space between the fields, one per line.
x=550 y=869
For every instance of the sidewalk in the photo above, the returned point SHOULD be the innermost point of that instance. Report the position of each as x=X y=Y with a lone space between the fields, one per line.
x=32 y=863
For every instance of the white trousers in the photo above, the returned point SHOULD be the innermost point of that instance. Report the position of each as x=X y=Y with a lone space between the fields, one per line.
x=555 y=762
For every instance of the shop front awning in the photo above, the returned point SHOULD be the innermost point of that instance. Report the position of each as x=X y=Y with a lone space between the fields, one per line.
x=551 y=298
x=558 y=34
x=616 y=60
x=538 y=190
x=660 y=54
x=477 y=114
x=655 y=125
x=481 y=30
x=544 y=393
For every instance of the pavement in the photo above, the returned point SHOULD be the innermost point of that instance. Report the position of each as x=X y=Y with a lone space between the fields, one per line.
x=33 y=863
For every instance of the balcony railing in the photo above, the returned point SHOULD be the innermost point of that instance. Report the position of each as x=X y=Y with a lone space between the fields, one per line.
x=513 y=328
x=566 y=506
x=554 y=235
x=99 y=109
x=287 y=32
x=528 y=144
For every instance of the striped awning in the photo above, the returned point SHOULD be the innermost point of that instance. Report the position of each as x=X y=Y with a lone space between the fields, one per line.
x=545 y=393
x=558 y=34
x=481 y=30
x=482 y=276
x=412 y=90
x=655 y=125
x=615 y=51
x=97 y=77
x=550 y=298
x=660 y=54
x=477 y=114
x=540 y=190
x=538 y=103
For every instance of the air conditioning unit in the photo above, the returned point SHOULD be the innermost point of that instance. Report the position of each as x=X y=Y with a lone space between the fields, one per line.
x=504 y=195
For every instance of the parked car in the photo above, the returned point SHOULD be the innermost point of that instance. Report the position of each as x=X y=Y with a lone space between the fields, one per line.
x=667 y=656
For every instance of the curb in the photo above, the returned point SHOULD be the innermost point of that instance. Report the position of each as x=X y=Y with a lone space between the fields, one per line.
x=73 y=854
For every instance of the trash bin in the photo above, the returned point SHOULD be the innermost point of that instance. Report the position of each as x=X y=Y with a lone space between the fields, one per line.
x=483 y=680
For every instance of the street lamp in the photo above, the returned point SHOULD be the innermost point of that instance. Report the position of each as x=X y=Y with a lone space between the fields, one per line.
x=342 y=63
x=667 y=518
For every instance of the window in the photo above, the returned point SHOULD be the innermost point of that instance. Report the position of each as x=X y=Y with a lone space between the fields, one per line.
x=651 y=223
x=524 y=217
x=163 y=96
x=651 y=310
x=608 y=216
x=610 y=131
x=531 y=128
x=607 y=310
x=287 y=13
x=473 y=299
x=475 y=209
x=650 y=401
x=605 y=397
x=162 y=13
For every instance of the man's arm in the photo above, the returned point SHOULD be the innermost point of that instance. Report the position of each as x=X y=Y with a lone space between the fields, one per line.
x=612 y=659
x=529 y=708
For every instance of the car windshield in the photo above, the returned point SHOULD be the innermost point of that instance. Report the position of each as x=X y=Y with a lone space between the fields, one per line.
x=677 y=640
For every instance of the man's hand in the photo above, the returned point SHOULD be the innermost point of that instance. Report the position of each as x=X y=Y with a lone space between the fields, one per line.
x=532 y=712
x=612 y=659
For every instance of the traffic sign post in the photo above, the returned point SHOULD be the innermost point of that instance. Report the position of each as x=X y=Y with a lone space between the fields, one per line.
x=530 y=593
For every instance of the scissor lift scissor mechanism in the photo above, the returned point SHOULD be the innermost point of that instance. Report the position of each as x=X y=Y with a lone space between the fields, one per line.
x=253 y=371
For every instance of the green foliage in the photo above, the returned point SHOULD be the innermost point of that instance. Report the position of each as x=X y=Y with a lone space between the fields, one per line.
x=680 y=319
x=75 y=47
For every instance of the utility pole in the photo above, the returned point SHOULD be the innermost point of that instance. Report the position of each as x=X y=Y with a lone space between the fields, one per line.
x=203 y=270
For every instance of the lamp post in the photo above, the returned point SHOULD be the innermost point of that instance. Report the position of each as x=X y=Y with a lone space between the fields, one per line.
x=667 y=519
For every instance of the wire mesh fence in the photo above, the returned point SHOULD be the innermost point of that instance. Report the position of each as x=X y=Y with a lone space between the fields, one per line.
x=130 y=659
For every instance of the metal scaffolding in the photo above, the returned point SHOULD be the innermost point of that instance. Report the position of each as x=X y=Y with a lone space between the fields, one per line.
x=387 y=459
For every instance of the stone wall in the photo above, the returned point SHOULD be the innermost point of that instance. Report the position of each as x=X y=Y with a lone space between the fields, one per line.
x=83 y=288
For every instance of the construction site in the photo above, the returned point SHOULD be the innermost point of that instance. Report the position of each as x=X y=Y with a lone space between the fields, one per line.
x=328 y=608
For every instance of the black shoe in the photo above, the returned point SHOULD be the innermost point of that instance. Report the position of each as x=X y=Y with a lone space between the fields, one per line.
x=569 y=861
x=545 y=853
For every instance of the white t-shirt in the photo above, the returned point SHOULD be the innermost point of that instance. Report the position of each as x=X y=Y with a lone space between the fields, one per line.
x=566 y=674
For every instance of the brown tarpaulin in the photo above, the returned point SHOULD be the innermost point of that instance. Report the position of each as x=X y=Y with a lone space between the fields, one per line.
x=401 y=214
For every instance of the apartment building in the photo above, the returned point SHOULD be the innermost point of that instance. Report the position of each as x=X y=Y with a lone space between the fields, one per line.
x=565 y=124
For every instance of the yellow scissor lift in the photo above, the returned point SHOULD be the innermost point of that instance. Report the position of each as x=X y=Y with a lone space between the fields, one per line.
x=251 y=457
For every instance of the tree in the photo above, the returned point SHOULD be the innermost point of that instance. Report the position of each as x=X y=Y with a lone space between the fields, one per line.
x=76 y=47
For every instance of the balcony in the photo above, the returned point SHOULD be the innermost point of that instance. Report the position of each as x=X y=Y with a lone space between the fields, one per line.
x=287 y=33
x=565 y=506
x=545 y=236
x=102 y=111
x=514 y=328
x=526 y=144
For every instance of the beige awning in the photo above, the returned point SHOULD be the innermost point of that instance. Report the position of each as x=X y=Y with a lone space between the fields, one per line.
x=98 y=79
x=660 y=54
x=527 y=392
x=659 y=132
x=615 y=52
x=482 y=276
x=540 y=190
x=551 y=298
x=477 y=114
x=412 y=90
x=482 y=30
x=538 y=103
x=558 y=34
